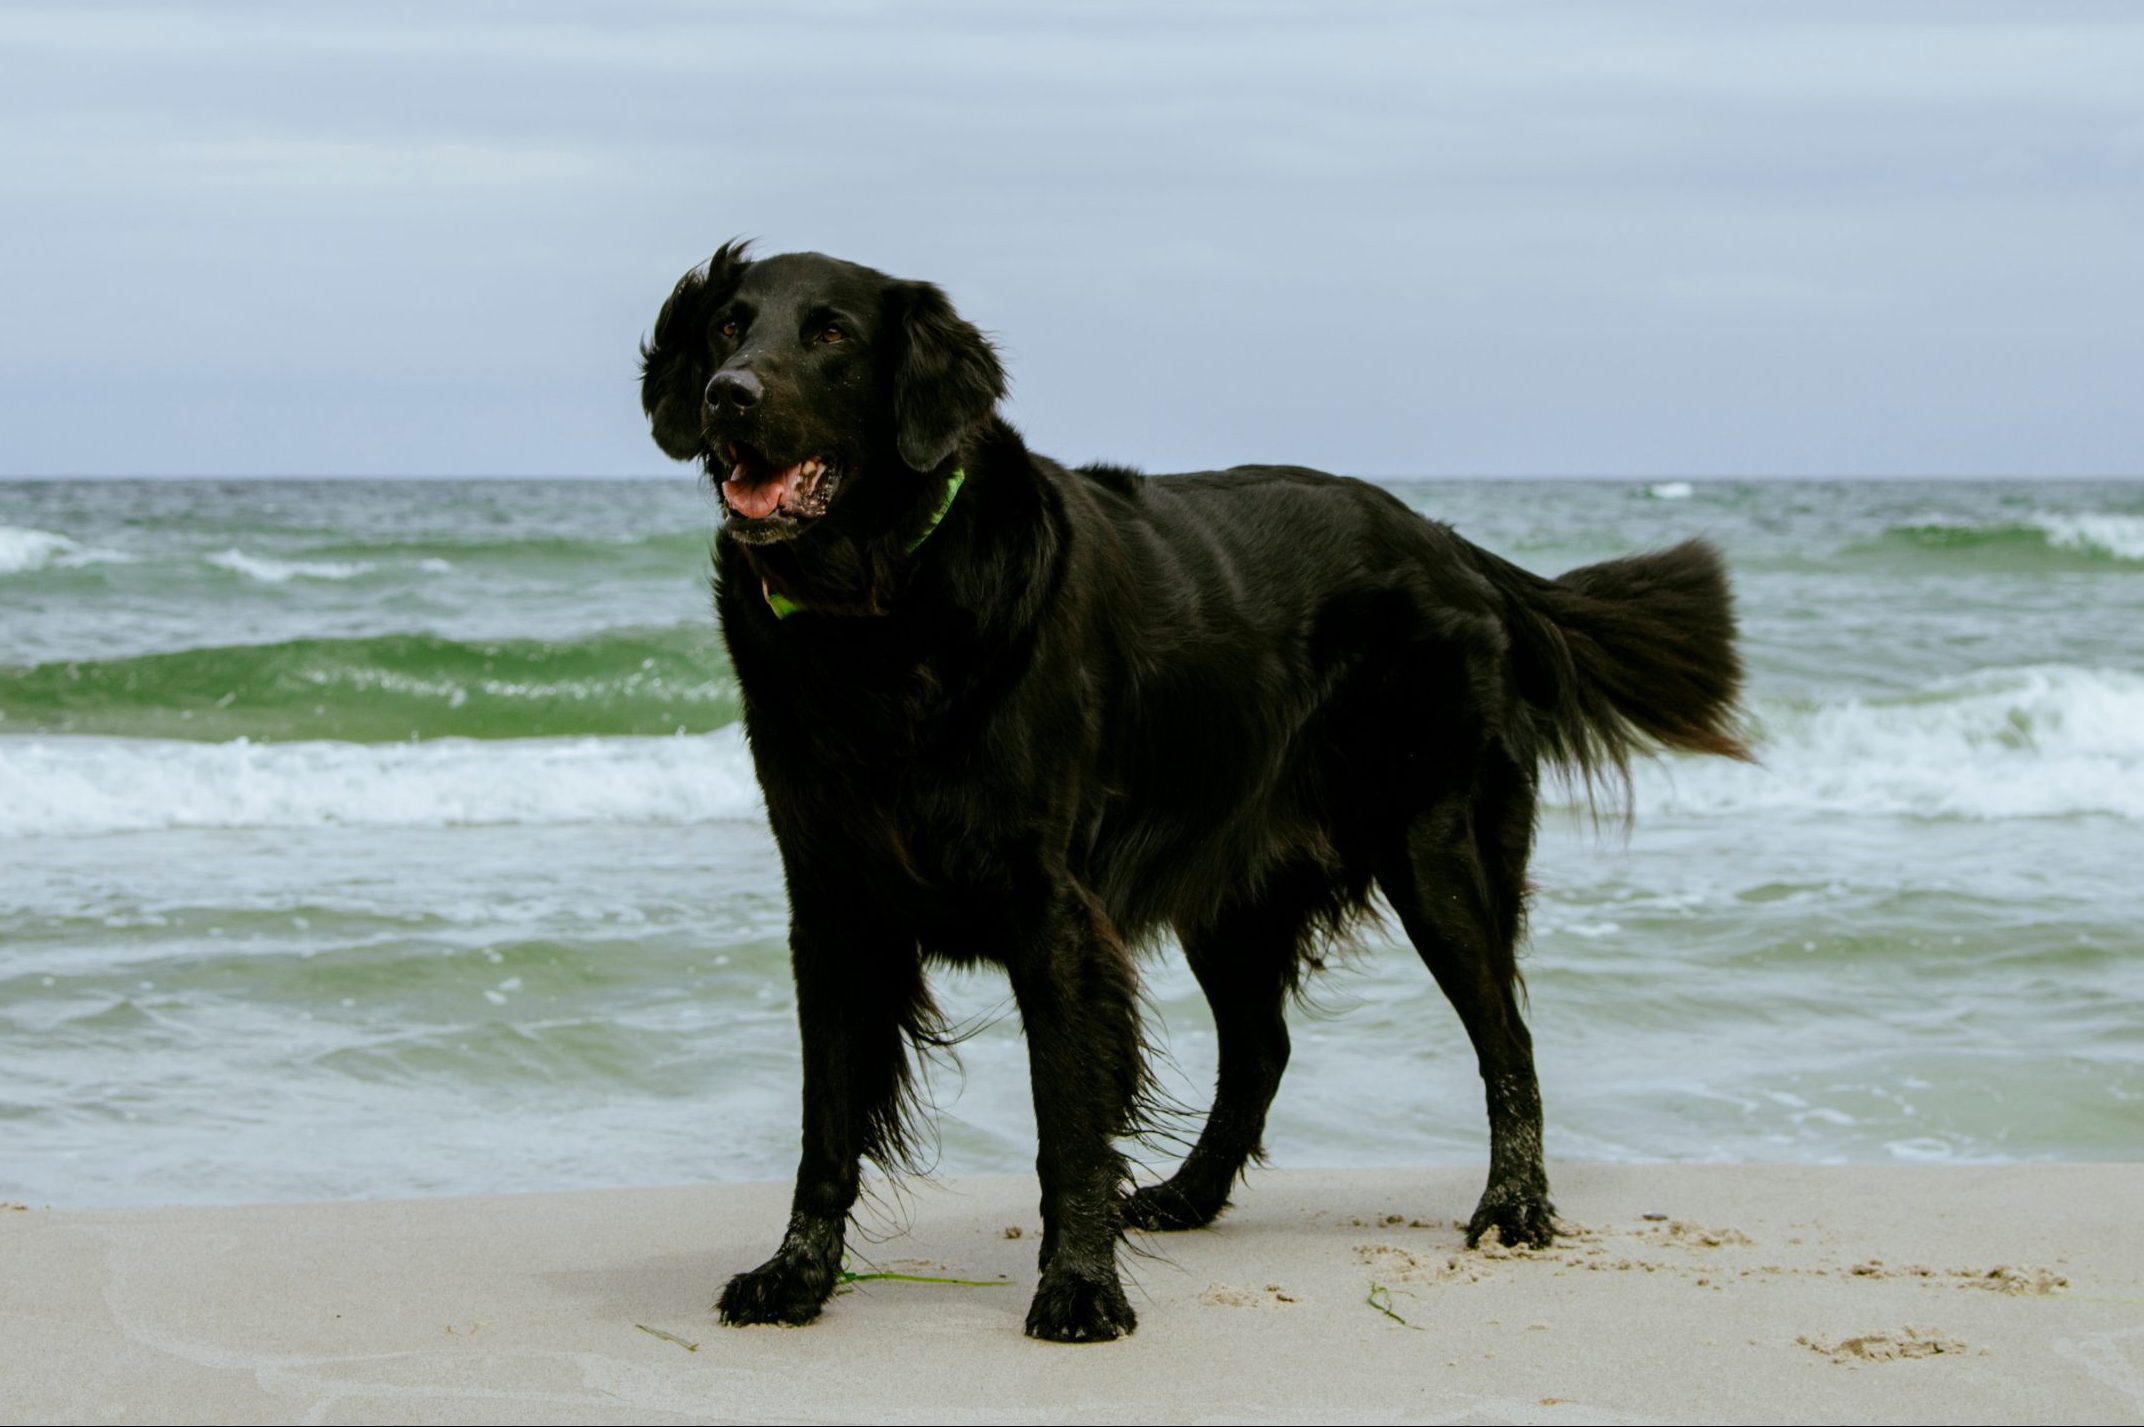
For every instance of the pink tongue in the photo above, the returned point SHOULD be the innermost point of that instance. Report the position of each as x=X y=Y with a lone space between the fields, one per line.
x=756 y=502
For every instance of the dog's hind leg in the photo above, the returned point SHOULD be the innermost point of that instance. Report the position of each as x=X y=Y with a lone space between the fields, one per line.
x=1246 y=961
x=1457 y=878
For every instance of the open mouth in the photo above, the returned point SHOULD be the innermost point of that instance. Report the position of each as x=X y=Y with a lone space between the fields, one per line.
x=758 y=491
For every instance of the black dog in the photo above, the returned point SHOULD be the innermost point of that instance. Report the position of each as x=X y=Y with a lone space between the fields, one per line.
x=1008 y=711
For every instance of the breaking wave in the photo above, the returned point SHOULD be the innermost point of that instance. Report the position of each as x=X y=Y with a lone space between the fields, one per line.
x=23 y=550
x=275 y=572
x=398 y=686
x=101 y=785
x=2049 y=539
x=2040 y=742
x=2034 y=742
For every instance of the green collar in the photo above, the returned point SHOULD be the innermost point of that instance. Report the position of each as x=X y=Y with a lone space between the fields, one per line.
x=783 y=606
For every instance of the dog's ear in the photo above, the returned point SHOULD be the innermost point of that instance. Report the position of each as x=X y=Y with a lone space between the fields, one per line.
x=677 y=361
x=946 y=376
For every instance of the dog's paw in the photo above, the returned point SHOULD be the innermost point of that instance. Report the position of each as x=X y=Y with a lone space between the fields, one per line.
x=1171 y=1206
x=1070 y=1307
x=782 y=1290
x=1520 y=1214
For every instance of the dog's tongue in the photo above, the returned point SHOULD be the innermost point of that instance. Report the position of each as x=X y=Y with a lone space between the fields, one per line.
x=758 y=499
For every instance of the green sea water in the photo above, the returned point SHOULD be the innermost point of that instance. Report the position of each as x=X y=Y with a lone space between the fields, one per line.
x=378 y=838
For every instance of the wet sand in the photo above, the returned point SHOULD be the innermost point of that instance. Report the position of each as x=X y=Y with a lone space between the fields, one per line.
x=1716 y=1293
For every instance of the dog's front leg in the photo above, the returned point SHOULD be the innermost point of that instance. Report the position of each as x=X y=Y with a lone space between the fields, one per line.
x=856 y=992
x=1077 y=993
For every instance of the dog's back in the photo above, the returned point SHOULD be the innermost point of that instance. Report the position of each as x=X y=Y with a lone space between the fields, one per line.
x=1295 y=662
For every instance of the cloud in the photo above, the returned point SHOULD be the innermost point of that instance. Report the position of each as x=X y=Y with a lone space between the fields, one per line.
x=1461 y=238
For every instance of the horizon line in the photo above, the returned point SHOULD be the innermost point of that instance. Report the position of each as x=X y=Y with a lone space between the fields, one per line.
x=1663 y=476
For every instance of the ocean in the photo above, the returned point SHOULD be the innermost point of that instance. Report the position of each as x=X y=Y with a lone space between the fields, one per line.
x=365 y=839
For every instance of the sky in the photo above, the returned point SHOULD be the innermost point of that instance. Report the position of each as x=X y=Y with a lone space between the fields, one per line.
x=1881 y=238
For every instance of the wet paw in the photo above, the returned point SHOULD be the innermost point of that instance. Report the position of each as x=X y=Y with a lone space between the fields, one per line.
x=1074 y=1308
x=1168 y=1207
x=782 y=1290
x=1520 y=1214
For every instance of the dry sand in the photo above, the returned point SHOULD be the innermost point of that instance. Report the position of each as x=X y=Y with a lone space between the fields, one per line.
x=1683 y=1294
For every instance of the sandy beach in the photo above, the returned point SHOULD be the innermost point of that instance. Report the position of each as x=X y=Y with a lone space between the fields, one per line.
x=1682 y=1294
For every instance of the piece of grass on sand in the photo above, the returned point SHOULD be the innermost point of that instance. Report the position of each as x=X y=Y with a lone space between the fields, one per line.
x=668 y=1337
x=1380 y=1298
x=848 y=1278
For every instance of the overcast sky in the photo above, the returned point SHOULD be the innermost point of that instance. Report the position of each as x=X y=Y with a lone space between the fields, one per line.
x=1406 y=238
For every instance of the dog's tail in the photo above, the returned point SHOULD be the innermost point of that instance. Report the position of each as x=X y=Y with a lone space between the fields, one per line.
x=1627 y=656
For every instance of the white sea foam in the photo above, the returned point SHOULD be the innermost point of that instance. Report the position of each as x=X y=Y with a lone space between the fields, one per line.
x=91 y=785
x=2045 y=741
x=275 y=572
x=2041 y=741
x=23 y=550
x=1671 y=490
x=2106 y=532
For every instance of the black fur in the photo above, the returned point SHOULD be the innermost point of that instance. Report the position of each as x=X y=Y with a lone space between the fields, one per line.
x=1091 y=707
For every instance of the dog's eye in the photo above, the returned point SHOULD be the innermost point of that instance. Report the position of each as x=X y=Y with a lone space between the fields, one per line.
x=831 y=334
x=728 y=330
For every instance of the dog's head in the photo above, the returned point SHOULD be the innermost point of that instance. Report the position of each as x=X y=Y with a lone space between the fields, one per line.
x=813 y=390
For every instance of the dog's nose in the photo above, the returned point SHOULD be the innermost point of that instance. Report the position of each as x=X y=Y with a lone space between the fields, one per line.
x=734 y=389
